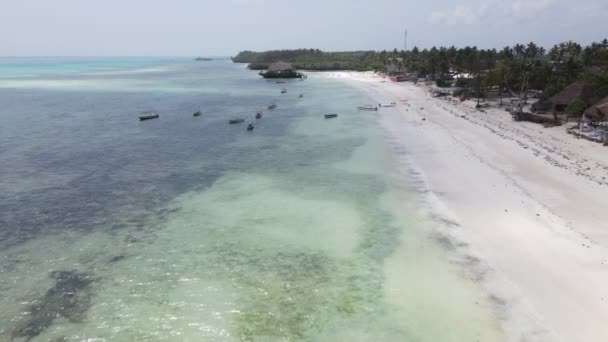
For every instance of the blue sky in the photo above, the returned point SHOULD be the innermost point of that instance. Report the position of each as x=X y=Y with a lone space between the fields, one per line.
x=214 y=27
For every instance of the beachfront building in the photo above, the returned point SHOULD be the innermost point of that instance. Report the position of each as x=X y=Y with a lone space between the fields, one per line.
x=598 y=113
x=593 y=124
x=281 y=70
x=575 y=91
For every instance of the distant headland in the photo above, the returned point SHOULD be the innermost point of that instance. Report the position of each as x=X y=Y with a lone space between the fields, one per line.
x=312 y=59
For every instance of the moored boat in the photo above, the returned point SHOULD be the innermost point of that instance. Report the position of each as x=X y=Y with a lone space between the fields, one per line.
x=197 y=113
x=250 y=127
x=367 y=108
x=301 y=96
x=272 y=106
x=236 y=121
x=258 y=115
x=331 y=116
x=283 y=91
x=148 y=116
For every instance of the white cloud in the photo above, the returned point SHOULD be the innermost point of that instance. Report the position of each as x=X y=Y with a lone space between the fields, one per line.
x=491 y=9
x=460 y=14
x=529 y=5
x=248 y=2
x=591 y=10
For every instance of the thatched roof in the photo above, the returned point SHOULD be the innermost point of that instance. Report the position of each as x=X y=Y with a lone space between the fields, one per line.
x=570 y=93
x=280 y=66
x=598 y=112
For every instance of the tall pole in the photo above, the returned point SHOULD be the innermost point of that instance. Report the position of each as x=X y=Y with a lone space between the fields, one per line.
x=405 y=41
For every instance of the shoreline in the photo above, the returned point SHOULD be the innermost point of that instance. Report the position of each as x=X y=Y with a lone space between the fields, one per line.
x=517 y=204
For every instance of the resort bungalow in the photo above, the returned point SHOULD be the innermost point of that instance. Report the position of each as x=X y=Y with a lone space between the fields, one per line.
x=281 y=70
x=598 y=113
x=593 y=123
x=563 y=99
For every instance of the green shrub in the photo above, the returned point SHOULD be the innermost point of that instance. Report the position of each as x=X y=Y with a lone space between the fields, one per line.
x=576 y=107
x=443 y=83
x=549 y=91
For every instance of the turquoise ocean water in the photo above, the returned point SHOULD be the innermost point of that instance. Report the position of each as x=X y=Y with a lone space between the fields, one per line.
x=189 y=229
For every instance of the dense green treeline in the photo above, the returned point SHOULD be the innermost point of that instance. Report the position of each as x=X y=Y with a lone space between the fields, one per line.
x=313 y=59
x=509 y=69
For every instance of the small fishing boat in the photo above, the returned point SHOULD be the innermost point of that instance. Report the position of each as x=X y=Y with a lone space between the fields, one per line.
x=331 y=116
x=388 y=105
x=197 y=113
x=236 y=121
x=258 y=115
x=367 y=108
x=148 y=116
x=301 y=96
x=250 y=127
x=280 y=82
x=272 y=106
x=283 y=91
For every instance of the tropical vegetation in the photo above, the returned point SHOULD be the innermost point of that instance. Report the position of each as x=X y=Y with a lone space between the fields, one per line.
x=510 y=69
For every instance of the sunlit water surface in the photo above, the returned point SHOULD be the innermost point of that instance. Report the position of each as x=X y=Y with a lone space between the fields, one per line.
x=189 y=229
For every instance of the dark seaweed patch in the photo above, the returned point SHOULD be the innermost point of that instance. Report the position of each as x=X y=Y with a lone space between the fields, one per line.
x=117 y=258
x=444 y=221
x=445 y=241
x=69 y=298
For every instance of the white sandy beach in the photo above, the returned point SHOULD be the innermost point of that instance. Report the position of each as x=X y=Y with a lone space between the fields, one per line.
x=522 y=206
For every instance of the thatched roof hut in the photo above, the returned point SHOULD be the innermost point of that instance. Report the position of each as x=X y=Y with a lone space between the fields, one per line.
x=280 y=70
x=598 y=112
x=576 y=90
x=280 y=67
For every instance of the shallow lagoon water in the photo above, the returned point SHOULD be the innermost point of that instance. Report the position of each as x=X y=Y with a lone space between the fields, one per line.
x=189 y=229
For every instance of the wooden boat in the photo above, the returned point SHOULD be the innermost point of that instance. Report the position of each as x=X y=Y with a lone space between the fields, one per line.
x=236 y=121
x=367 y=108
x=272 y=106
x=331 y=116
x=197 y=113
x=283 y=91
x=258 y=115
x=148 y=116
x=398 y=78
x=250 y=127
x=388 y=105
